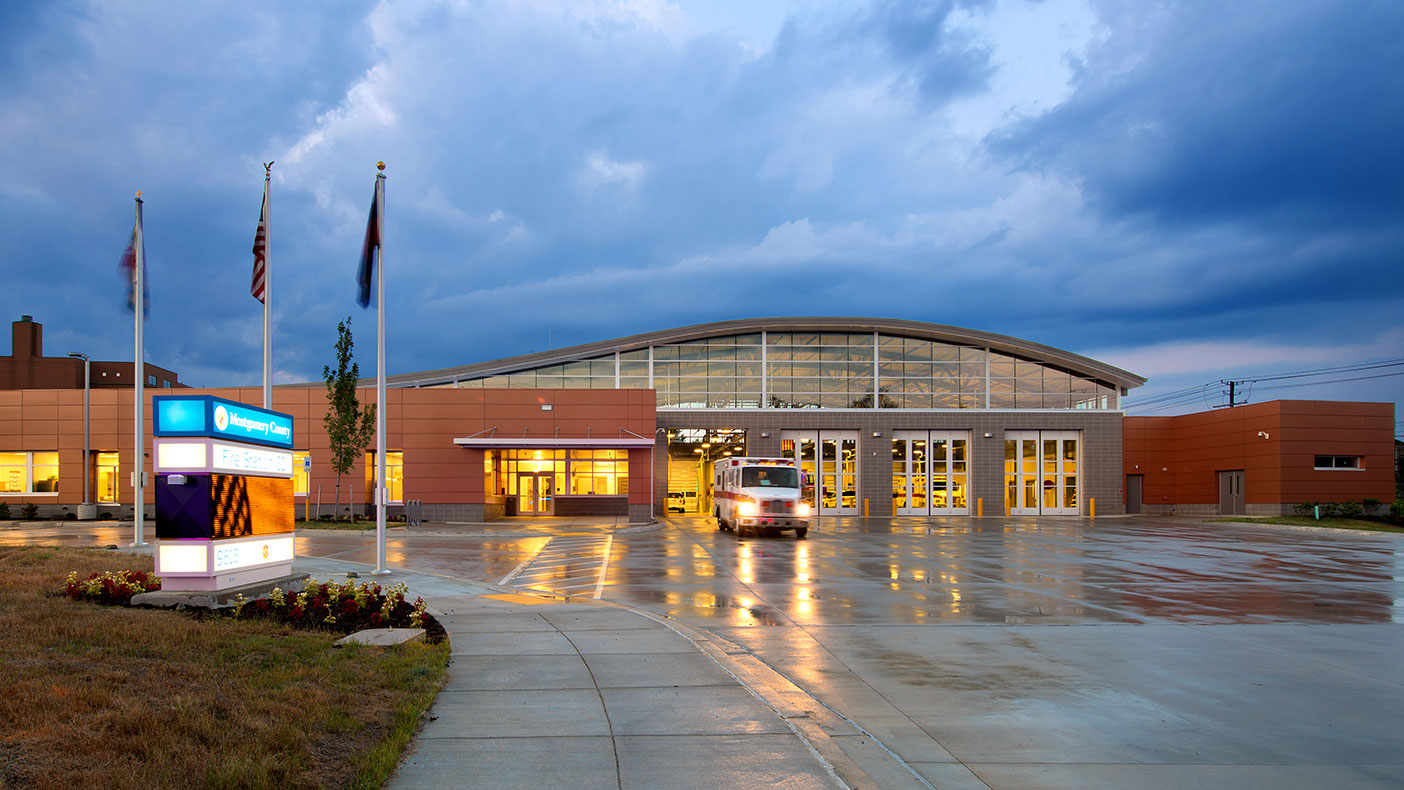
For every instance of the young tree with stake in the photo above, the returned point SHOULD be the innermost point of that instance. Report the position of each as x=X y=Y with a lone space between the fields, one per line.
x=349 y=428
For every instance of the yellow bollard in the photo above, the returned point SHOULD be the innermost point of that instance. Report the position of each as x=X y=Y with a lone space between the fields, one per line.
x=980 y=507
x=865 y=507
x=1092 y=503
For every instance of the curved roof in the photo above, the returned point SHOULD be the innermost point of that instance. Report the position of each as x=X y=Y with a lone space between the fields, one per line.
x=917 y=329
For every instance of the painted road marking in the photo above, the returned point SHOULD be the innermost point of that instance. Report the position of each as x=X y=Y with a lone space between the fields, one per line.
x=571 y=563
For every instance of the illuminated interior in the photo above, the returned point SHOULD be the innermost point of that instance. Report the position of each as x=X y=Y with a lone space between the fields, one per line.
x=29 y=473
x=831 y=370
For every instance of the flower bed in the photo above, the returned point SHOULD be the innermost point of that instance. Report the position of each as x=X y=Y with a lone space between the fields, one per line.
x=110 y=588
x=321 y=606
x=345 y=608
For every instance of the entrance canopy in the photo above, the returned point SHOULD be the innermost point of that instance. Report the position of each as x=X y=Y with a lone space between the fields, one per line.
x=549 y=443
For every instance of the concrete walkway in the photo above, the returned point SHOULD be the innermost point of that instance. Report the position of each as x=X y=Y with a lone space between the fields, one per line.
x=545 y=692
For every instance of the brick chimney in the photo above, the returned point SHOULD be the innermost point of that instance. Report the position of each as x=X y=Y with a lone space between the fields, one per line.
x=26 y=338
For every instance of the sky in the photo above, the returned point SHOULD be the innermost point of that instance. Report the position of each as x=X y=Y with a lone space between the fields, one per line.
x=1194 y=192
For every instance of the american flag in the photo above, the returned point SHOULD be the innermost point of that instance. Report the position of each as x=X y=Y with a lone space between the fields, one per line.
x=260 y=248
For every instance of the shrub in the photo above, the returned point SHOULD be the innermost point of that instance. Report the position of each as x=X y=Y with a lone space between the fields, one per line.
x=1329 y=509
x=4 y=509
x=1305 y=509
x=1352 y=510
x=1396 y=509
x=29 y=511
x=1370 y=504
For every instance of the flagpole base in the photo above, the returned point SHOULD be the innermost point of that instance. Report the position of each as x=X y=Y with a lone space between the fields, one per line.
x=381 y=572
x=138 y=545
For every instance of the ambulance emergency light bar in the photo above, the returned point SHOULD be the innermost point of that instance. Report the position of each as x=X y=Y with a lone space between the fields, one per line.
x=216 y=418
x=762 y=462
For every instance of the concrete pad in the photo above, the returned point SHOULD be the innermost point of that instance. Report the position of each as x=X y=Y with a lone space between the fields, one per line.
x=718 y=761
x=493 y=622
x=659 y=640
x=509 y=673
x=656 y=670
x=596 y=617
x=515 y=714
x=511 y=644
x=382 y=637
x=1078 y=776
x=705 y=710
x=580 y=763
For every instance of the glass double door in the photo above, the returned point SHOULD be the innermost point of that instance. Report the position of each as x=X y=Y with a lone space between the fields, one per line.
x=828 y=462
x=930 y=473
x=535 y=494
x=1041 y=473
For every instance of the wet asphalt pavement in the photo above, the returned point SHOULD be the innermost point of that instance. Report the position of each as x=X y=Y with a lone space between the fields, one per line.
x=1051 y=653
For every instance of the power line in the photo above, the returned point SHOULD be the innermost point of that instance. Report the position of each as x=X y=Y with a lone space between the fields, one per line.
x=1169 y=400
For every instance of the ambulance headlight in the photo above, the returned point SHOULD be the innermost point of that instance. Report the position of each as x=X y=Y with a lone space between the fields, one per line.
x=802 y=510
x=746 y=508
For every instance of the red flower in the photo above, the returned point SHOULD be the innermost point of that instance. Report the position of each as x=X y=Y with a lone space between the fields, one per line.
x=296 y=613
x=375 y=618
x=350 y=606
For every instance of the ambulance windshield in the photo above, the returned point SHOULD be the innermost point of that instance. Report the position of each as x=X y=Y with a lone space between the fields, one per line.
x=769 y=477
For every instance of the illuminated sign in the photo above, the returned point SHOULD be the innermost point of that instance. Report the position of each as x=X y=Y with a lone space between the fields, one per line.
x=205 y=558
x=183 y=557
x=196 y=456
x=231 y=555
x=251 y=460
x=208 y=416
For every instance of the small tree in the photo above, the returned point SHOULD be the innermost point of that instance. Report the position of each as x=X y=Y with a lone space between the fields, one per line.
x=349 y=428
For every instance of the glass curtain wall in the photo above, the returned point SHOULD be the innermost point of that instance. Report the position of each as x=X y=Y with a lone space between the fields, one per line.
x=829 y=370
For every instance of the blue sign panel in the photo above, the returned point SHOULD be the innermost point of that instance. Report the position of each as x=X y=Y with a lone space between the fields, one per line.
x=204 y=415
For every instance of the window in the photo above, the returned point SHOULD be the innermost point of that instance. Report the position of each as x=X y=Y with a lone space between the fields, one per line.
x=302 y=465
x=599 y=472
x=394 y=474
x=150 y=379
x=1339 y=462
x=29 y=473
x=105 y=473
x=165 y=383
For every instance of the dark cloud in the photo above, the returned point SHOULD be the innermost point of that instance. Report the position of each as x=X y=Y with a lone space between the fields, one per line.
x=1256 y=111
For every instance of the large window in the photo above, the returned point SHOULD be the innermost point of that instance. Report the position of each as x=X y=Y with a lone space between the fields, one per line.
x=29 y=473
x=576 y=472
x=302 y=464
x=1338 y=462
x=105 y=476
x=394 y=475
x=828 y=370
x=599 y=472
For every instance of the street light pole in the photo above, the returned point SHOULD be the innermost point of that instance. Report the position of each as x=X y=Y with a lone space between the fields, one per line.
x=87 y=384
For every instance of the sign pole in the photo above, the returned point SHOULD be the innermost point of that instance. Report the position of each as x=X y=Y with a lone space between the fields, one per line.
x=139 y=476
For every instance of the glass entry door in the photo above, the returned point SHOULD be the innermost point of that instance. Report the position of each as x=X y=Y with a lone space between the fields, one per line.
x=828 y=462
x=535 y=494
x=1041 y=473
x=930 y=473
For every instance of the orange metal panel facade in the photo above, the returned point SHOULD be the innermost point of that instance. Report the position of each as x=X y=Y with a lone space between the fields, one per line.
x=420 y=423
x=1274 y=443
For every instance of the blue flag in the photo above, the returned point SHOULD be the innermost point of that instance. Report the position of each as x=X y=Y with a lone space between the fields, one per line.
x=370 y=249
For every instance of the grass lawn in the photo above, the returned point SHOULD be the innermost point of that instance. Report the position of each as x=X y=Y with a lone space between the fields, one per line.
x=1308 y=521
x=106 y=696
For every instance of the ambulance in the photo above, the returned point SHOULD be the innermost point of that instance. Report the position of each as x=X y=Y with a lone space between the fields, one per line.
x=759 y=496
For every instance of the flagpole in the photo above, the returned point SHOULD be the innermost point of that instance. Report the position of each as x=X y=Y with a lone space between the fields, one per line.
x=139 y=476
x=381 y=495
x=267 y=293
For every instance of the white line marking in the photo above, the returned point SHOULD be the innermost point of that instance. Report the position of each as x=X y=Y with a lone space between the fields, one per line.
x=509 y=577
x=604 y=566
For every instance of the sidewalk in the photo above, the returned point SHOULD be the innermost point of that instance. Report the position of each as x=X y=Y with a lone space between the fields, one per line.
x=543 y=692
